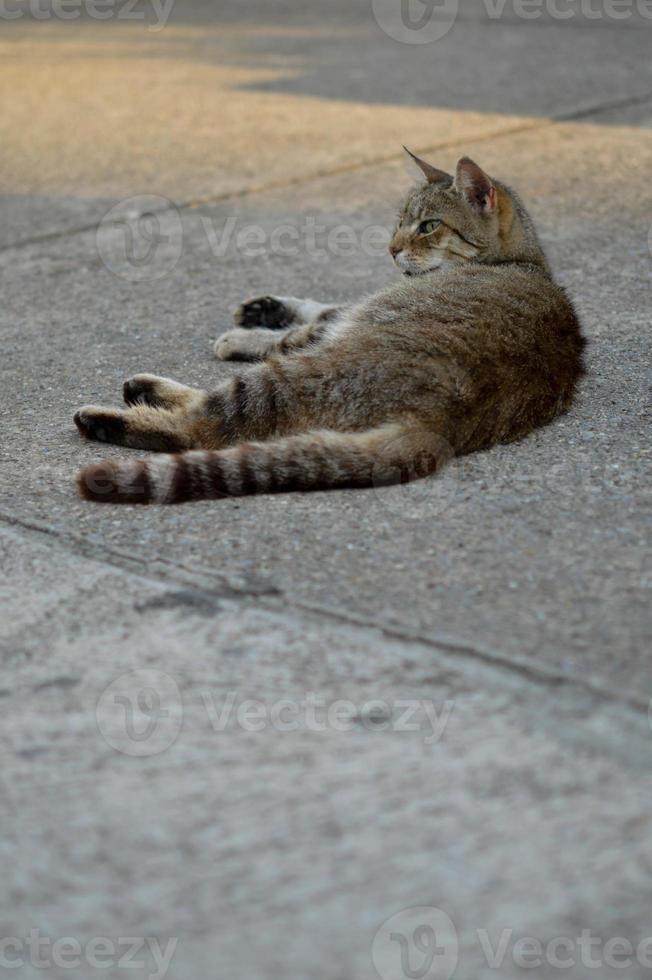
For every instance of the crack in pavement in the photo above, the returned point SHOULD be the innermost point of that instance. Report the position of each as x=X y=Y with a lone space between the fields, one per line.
x=443 y=642
x=193 y=203
x=160 y=570
x=211 y=585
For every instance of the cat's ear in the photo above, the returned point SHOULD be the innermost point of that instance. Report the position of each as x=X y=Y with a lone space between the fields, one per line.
x=473 y=184
x=421 y=168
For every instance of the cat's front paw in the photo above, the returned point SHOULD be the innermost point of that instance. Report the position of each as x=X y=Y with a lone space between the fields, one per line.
x=141 y=390
x=264 y=311
x=238 y=345
x=149 y=389
x=100 y=424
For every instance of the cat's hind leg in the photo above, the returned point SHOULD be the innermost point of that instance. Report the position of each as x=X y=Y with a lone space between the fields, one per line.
x=281 y=312
x=137 y=427
x=316 y=460
x=251 y=405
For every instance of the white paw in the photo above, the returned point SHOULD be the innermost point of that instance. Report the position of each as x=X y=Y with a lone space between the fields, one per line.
x=236 y=345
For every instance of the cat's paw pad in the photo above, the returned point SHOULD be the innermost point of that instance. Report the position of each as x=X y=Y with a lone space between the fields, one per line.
x=143 y=389
x=264 y=311
x=100 y=424
x=236 y=345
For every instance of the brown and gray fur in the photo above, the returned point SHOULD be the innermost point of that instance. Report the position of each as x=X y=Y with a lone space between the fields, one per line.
x=475 y=346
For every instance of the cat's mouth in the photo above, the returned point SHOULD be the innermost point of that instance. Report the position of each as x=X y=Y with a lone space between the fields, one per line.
x=415 y=273
x=412 y=270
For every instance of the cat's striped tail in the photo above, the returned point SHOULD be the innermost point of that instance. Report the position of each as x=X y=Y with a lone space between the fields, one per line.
x=320 y=460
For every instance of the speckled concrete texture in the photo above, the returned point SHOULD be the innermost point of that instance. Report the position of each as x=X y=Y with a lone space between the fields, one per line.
x=250 y=733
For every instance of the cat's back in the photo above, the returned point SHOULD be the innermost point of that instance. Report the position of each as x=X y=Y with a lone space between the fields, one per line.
x=488 y=310
x=472 y=290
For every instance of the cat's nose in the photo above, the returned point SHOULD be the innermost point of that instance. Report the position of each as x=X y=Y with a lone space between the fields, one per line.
x=395 y=250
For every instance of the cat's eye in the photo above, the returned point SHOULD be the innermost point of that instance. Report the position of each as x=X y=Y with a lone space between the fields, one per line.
x=427 y=227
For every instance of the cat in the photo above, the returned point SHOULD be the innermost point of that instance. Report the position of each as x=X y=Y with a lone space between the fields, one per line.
x=476 y=345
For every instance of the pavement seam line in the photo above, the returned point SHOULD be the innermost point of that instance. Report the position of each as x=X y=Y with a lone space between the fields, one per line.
x=570 y=715
x=219 y=587
x=193 y=203
x=212 y=583
x=527 y=669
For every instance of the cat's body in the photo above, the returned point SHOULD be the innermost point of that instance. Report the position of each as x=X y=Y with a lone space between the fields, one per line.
x=477 y=345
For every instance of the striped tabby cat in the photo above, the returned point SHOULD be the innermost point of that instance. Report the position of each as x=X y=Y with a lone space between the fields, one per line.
x=476 y=345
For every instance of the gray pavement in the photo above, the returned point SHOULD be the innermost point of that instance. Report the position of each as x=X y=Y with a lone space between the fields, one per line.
x=506 y=602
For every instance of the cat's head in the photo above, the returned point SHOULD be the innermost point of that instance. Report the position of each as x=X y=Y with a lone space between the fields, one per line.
x=465 y=218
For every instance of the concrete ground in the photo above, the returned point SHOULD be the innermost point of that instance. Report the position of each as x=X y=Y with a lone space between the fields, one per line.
x=254 y=734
